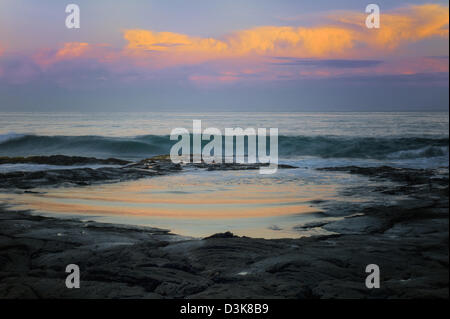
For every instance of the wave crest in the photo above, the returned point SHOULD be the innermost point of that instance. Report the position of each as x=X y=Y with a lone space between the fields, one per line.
x=289 y=146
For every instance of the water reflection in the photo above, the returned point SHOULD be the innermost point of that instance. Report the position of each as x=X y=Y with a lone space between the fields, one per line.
x=195 y=203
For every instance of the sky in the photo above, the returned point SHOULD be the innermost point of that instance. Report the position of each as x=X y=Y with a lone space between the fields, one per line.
x=210 y=55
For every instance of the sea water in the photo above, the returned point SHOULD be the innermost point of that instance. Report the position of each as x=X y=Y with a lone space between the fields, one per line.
x=200 y=203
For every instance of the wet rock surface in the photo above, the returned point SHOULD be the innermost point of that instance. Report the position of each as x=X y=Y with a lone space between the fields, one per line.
x=408 y=241
x=158 y=165
x=61 y=160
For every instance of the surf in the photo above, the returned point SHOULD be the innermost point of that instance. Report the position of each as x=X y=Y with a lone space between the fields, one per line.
x=290 y=146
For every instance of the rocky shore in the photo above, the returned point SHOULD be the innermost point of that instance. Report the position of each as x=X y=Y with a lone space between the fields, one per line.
x=407 y=240
x=82 y=176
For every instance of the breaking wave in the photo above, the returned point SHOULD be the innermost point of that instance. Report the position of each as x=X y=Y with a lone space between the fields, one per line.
x=289 y=146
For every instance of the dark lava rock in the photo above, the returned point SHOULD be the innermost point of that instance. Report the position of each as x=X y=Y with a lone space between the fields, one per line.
x=222 y=235
x=61 y=160
x=157 y=165
x=407 y=240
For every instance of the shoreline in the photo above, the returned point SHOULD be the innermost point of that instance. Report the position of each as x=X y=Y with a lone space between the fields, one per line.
x=154 y=166
x=409 y=242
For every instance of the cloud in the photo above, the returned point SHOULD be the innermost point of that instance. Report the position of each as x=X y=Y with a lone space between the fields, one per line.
x=71 y=50
x=329 y=63
x=344 y=35
x=18 y=69
x=74 y=51
x=261 y=41
x=327 y=68
x=404 y=25
x=429 y=79
x=340 y=45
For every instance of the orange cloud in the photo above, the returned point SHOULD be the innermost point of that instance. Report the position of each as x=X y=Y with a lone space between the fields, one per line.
x=416 y=23
x=169 y=41
x=344 y=36
x=75 y=50
x=401 y=26
x=289 y=41
x=168 y=48
x=268 y=40
x=70 y=50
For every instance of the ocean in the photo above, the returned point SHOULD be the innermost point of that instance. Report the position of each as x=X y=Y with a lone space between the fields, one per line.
x=199 y=203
